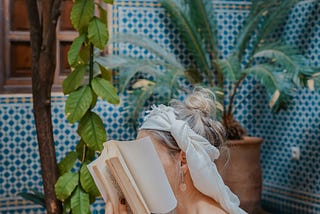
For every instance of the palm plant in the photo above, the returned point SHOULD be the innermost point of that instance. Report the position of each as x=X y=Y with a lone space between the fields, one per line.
x=279 y=67
x=143 y=79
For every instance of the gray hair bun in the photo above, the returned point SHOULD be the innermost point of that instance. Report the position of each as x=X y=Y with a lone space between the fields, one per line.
x=199 y=111
x=202 y=100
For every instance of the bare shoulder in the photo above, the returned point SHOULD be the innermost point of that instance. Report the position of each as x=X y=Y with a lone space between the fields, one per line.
x=216 y=210
x=211 y=209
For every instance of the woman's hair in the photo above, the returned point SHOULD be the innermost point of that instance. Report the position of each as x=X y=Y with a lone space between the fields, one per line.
x=199 y=111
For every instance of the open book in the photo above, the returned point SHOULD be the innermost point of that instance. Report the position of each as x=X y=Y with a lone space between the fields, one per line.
x=132 y=170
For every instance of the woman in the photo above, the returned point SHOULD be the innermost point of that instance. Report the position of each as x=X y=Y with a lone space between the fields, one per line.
x=187 y=136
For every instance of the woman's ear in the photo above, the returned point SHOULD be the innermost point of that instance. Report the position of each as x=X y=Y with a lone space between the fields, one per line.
x=182 y=157
x=183 y=161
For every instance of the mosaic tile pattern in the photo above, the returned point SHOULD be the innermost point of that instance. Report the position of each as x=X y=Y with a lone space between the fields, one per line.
x=283 y=178
x=288 y=186
x=20 y=165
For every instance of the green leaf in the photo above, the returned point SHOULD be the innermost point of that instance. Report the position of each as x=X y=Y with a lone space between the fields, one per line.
x=92 y=131
x=105 y=73
x=67 y=163
x=92 y=198
x=96 y=69
x=80 y=202
x=87 y=181
x=103 y=14
x=81 y=14
x=89 y=155
x=74 y=79
x=98 y=33
x=94 y=100
x=66 y=184
x=108 y=1
x=75 y=49
x=85 y=54
x=36 y=197
x=66 y=206
x=105 y=89
x=78 y=103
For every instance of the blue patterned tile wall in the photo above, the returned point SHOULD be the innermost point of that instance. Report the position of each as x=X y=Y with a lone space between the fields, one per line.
x=289 y=186
x=19 y=158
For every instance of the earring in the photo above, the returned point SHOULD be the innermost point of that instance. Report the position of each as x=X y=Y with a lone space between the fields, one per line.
x=182 y=186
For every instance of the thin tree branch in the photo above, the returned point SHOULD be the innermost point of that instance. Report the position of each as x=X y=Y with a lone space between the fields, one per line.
x=43 y=44
x=35 y=28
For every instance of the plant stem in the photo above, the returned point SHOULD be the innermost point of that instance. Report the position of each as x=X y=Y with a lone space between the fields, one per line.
x=84 y=152
x=236 y=86
x=91 y=63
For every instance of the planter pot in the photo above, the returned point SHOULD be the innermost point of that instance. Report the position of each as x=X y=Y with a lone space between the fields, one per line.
x=241 y=172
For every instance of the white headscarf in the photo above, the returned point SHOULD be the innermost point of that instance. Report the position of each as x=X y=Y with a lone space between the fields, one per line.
x=200 y=156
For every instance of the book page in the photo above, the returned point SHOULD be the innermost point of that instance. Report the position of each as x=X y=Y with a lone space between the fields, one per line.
x=105 y=182
x=118 y=167
x=146 y=168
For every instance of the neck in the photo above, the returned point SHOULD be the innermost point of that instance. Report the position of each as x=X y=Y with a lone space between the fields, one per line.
x=192 y=201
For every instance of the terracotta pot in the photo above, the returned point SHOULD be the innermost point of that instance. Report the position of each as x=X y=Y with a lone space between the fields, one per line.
x=241 y=171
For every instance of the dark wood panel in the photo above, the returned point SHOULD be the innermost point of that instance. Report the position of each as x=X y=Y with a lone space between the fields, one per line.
x=18 y=15
x=2 y=51
x=65 y=23
x=64 y=65
x=20 y=59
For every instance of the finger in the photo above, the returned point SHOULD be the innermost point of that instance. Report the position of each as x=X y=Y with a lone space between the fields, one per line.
x=109 y=208
x=123 y=207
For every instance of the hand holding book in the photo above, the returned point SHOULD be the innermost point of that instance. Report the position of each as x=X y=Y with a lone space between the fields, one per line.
x=122 y=208
x=132 y=170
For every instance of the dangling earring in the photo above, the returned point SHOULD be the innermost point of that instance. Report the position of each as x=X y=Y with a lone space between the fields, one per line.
x=182 y=186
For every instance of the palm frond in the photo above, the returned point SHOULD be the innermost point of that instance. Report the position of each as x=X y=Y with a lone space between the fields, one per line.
x=146 y=67
x=165 y=87
x=136 y=102
x=282 y=55
x=313 y=81
x=219 y=94
x=111 y=61
x=179 y=14
x=258 y=5
x=36 y=197
x=127 y=73
x=230 y=67
x=316 y=81
x=247 y=30
x=147 y=44
x=259 y=10
x=263 y=19
x=129 y=67
x=275 y=17
x=203 y=14
x=289 y=60
x=277 y=84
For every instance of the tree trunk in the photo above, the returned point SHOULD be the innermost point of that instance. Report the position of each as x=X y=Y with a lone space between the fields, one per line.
x=43 y=16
